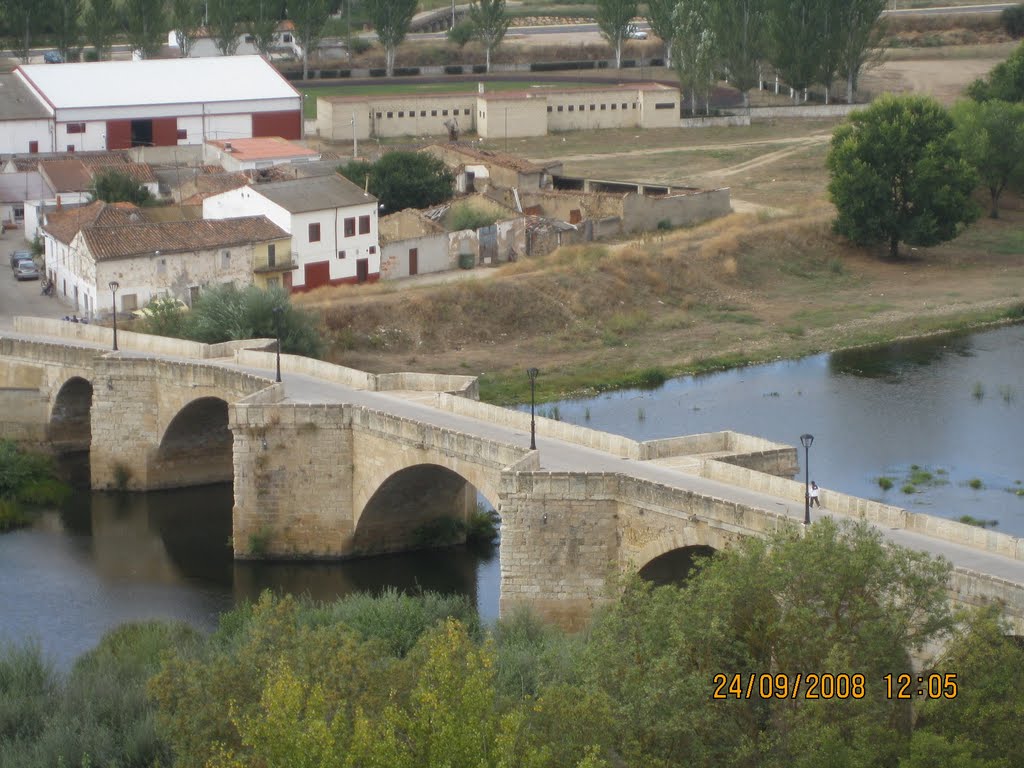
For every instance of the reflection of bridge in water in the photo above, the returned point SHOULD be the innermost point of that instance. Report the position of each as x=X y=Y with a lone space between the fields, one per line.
x=335 y=462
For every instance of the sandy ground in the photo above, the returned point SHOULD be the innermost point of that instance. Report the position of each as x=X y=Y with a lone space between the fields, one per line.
x=944 y=79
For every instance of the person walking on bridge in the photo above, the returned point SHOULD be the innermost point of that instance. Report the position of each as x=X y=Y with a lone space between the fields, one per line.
x=813 y=493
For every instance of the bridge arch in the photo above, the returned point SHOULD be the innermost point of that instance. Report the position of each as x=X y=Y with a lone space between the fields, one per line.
x=70 y=422
x=416 y=507
x=196 y=446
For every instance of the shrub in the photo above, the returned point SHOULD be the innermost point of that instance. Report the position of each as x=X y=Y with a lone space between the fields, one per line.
x=885 y=483
x=465 y=216
x=25 y=478
x=440 y=532
x=1013 y=21
x=482 y=528
x=461 y=33
x=977 y=521
x=358 y=45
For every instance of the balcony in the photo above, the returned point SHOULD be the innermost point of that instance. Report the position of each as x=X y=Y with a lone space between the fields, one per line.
x=283 y=263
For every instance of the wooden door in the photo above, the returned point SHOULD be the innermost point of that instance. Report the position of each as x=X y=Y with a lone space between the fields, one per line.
x=414 y=261
x=316 y=274
x=362 y=270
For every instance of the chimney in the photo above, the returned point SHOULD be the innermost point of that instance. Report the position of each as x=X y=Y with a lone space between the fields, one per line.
x=227 y=146
x=59 y=206
x=479 y=87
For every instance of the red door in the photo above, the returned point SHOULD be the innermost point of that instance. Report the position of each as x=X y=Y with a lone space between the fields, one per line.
x=165 y=131
x=362 y=270
x=119 y=134
x=287 y=125
x=414 y=261
x=316 y=274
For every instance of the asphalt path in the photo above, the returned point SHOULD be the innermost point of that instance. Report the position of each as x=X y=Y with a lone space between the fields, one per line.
x=560 y=456
x=21 y=297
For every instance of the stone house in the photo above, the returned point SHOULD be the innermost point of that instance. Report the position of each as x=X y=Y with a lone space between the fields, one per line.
x=88 y=247
x=477 y=170
x=412 y=244
x=332 y=222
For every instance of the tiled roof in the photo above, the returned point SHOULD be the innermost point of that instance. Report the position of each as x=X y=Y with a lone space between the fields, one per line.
x=140 y=172
x=66 y=175
x=179 y=236
x=67 y=223
x=261 y=148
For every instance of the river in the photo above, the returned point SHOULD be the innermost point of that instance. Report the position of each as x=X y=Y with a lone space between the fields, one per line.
x=951 y=405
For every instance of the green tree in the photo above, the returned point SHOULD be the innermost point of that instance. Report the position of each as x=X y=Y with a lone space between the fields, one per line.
x=309 y=18
x=402 y=180
x=991 y=136
x=25 y=19
x=25 y=478
x=797 y=41
x=391 y=20
x=67 y=27
x=694 y=45
x=114 y=187
x=460 y=34
x=739 y=30
x=100 y=22
x=146 y=26
x=897 y=175
x=860 y=36
x=490 y=21
x=660 y=18
x=187 y=17
x=1005 y=82
x=261 y=20
x=223 y=22
x=224 y=313
x=613 y=18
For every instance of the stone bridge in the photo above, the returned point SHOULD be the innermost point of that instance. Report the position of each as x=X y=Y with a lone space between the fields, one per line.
x=335 y=462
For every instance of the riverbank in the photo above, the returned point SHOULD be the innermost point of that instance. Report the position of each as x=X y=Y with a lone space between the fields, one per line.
x=745 y=289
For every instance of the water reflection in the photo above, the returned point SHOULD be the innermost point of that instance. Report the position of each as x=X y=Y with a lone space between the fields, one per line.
x=892 y=360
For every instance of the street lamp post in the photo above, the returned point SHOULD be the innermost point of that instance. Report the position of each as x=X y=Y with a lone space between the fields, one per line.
x=532 y=373
x=805 y=441
x=114 y=285
x=277 y=330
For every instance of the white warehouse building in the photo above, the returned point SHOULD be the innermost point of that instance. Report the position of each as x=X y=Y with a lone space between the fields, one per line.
x=111 y=105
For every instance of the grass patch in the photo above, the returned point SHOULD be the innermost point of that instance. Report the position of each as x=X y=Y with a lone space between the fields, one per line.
x=975 y=483
x=908 y=488
x=885 y=483
x=977 y=521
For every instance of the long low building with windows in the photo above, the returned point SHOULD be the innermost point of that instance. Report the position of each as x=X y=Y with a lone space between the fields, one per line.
x=497 y=114
x=111 y=105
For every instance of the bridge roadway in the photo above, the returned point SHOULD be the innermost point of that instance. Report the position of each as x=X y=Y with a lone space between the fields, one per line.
x=560 y=456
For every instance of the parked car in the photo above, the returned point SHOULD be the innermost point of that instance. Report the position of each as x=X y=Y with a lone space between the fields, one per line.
x=633 y=32
x=26 y=270
x=17 y=256
x=53 y=57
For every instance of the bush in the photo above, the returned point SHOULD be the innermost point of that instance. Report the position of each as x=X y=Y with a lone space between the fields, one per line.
x=1013 y=21
x=358 y=45
x=465 y=216
x=25 y=479
x=461 y=33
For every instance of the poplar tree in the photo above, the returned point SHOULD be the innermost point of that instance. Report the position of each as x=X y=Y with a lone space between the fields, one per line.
x=391 y=20
x=222 y=24
x=309 y=18
x=24 y=19
x=739 y=29
x=489 y=21
x=860 y=38
x=261 y=22
x=796 y=41
x=694 y=45
x=147 y=26
x=67 y=28
x=187 y=17
x=613 y=18
x=100 y=22
x=660 y=18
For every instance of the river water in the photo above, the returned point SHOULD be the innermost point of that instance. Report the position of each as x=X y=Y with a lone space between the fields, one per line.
x=952 y=405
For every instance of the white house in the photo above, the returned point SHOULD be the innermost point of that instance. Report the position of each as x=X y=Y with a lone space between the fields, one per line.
x=86 y=248
x=333 y=224
x=283 y=43
x=110 y=105
x=412 y=244
x=256 y=153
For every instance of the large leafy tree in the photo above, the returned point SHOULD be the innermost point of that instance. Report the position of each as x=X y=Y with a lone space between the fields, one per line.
x=991 y=136
x=261 y=19
x=100 y=22
x=391 y=20
x=147 y=26
x=403 y=180
x=860 y=38
x=660 y=18
x=739 y=29
x=67 y=27
x=897 y=175
x=223 y=24
x=309 y=18
x=113 y=187
x=1005 y=82
x=694 y=45
x=186 y=16
x=489 y=21
x=613 y=18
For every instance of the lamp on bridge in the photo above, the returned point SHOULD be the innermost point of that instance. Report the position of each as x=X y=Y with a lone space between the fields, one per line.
x=277 y=330
x=114 y=285
x=805 y=441
x=532 y=373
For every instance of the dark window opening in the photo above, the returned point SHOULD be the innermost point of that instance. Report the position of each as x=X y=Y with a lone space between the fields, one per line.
x=314 y=233
x=272 y=255
x=665 y=105
x=142 y=133
x=76 y=127
x=350 y=226
x=364 y=225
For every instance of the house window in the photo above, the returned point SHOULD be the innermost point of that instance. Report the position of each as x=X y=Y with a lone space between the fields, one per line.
x=665 y=105
x=378 y=115
x=390 y=115
x=559 y=107
x=341 y=254
x=76 y=127
x=444 y=113
x=465 y=111
x=594 y=106
x=250 y=39
x=603 y=106
x=286 y=38
x=33 y=147
x=401 y=114
x=225 y=259
x=624 y=106
x=572 y=107
x=314 y=233
x=433 y=113
x=364 y=225
x=615 y=106
x=350 y=226
x=273 y=282
x=373 y=249
x=423 y=113
x=193 y=294
x=549 y=108
x=182 y=135
x=71 y=147
x=129 y=301
x=634 y=105
x=272 y=255
x=161 y=266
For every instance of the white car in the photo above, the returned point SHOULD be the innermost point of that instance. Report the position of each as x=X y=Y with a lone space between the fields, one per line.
x=633 y=32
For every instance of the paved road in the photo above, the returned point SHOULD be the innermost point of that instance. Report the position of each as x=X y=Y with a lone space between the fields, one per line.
x=560 y=456
x=21 y=298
